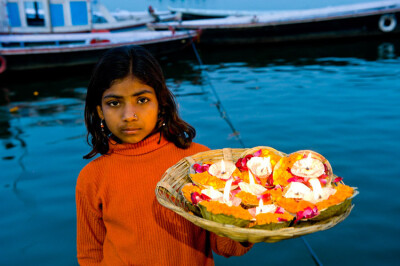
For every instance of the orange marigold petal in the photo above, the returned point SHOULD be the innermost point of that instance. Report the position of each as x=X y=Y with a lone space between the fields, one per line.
x=205 y=179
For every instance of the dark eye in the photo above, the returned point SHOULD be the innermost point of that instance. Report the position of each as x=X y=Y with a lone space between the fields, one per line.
x=143 y=100
x=113 y=103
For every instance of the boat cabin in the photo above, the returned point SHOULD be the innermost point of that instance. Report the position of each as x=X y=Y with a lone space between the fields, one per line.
x=45 y=16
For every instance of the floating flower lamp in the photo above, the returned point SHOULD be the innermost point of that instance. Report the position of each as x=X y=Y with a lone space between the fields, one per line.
x=308 y=168
x=252 y=187
x=222 y=169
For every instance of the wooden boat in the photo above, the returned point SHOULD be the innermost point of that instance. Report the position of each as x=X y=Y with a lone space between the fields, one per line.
x=357 y=20
x=23 y=52
x=55 y=33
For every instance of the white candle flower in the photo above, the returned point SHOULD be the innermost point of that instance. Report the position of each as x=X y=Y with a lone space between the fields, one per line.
x=260 y=166
x=269 y=208
x=227 y=190
x=222 y=169
x=308 y=167
x=252 y=187
x=296 y=190
x=212 y=193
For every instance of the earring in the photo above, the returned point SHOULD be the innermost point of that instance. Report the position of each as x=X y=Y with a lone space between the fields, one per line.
x=163 y=124
x=102 y=126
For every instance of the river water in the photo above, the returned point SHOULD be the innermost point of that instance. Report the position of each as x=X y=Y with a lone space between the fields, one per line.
x=339 y=99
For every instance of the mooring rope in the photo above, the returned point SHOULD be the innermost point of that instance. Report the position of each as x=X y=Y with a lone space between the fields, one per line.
x=224 y=115
x=218 y=104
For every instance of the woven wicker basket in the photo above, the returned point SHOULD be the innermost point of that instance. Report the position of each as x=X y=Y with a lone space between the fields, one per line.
x=168 y=193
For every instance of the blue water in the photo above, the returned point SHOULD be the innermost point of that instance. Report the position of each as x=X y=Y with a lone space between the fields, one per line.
x=341 y=100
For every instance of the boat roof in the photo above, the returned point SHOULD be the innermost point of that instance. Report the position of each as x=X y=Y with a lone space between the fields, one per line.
x=289 y=15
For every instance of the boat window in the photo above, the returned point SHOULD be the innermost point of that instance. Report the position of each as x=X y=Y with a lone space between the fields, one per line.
x=57 y=15
x=34 y=13
x=10 y=44
x=32 y=44
x=71 y=42
x=36 y=44
x=13 y=15
x=79 y=13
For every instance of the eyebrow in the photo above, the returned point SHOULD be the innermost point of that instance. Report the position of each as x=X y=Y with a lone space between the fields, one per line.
x=134 y=95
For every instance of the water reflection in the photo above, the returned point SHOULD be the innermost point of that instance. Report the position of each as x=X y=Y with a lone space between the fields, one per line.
x=303 y=53
x=386 y=50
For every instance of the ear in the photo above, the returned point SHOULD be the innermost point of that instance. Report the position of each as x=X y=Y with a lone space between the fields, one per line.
x=100 y=112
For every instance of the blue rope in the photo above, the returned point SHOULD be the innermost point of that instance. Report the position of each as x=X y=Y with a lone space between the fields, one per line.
x=313 y=255
x=225 y=116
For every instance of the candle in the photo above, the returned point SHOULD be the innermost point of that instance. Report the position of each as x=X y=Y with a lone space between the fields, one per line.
x=319 y=193
x=212 y=193
x=227 y=190
x=316 y=187
x=260 y=166
x=308 y=167
x=296 y=190
x=222 y=169
x=254 y=189
x=251 y=179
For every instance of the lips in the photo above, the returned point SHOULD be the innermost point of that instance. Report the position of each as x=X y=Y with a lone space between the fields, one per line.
x=130 y=130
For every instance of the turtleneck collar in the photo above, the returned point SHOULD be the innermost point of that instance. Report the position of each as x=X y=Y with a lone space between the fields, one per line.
x=147 y=145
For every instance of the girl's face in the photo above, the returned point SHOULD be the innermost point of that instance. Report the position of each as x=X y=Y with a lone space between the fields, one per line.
x=130 y=109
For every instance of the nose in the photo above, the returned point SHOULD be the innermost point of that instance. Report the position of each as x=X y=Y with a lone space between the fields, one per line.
x=129 y=113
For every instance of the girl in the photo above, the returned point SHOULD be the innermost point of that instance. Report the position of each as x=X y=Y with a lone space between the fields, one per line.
x=132 y=121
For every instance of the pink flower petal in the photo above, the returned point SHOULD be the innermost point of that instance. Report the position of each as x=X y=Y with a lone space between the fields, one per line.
x=299 y=216
x=196 y=167
x=237 y=181
x=264 y=197
x=252 y=211
x=270 y=180
x=257 y=153
x=241 y=163
x=280 y=210
x=204 y=197
x=236 y=201
x=201 y=168
x=307 y=213
x=195 y=196
x=326 y=168
x=338 y=179
x=258 y=180
x=234 y=192
x=295 y=179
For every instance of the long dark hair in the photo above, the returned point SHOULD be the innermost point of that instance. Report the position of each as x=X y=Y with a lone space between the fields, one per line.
x=119 y=63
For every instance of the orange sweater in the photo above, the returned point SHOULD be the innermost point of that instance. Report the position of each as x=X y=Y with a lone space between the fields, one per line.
x=120 y=222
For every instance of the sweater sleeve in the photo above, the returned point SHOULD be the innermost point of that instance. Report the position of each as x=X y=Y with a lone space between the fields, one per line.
x=90 y=227
x=227 y=247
